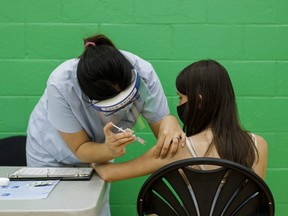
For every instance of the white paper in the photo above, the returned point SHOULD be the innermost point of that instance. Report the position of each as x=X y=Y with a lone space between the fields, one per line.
x=27 y=190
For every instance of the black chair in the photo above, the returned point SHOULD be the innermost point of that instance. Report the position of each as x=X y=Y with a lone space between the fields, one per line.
x=229 y=189
x=13 y=151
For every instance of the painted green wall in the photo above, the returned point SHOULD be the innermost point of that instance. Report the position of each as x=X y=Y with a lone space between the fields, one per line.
x=250 y=38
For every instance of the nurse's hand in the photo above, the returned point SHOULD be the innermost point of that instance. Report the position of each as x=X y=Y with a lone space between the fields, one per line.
x=170 y=137
x=116 y=143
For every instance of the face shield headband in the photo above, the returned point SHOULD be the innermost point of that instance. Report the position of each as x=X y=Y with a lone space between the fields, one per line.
x=121 y=100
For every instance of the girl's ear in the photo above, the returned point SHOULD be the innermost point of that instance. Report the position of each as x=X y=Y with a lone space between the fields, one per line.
x=200 y=101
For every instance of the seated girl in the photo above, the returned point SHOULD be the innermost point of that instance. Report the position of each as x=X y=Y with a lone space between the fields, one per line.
x=208 y=110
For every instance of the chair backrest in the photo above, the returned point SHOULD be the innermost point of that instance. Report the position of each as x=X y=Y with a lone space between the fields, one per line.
x=13 y=151
x=180 y=189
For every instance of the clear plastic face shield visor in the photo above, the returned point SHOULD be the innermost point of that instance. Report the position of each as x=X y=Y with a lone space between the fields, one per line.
x=120 y=101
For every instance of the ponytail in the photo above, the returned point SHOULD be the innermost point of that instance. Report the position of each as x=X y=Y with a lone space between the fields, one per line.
x=99 y=40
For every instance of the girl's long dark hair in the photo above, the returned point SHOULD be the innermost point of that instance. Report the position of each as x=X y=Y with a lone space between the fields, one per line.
x=103 y=71
x=211 y=104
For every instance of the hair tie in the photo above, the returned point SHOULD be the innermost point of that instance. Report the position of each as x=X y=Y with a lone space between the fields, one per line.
x=90 y=44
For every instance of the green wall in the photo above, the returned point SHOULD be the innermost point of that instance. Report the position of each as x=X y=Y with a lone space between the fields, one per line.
x=250 y=38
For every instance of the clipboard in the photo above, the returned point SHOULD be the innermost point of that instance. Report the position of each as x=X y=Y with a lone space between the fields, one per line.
x=45 y=173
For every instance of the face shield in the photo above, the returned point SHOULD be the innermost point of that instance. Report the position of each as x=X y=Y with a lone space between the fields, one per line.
x=120 y=101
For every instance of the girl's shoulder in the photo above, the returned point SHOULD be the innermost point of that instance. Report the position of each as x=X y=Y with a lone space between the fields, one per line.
x=260 y=142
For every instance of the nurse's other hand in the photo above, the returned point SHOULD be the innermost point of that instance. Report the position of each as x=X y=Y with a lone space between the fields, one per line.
x=116 y=143
x=170 y=137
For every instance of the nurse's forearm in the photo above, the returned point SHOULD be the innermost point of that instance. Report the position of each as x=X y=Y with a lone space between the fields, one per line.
x=85 y=150
x=91 y=152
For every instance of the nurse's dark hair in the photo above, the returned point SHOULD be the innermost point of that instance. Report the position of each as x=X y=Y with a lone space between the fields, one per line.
x=103 y=71
x=212 y=104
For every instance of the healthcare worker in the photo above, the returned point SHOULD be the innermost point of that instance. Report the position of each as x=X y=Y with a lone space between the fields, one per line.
x=84 y=94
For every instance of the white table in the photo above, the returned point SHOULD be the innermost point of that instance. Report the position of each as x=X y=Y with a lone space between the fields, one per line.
x=67 y=198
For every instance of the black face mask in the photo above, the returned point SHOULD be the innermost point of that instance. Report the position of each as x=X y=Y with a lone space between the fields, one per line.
x=181 y=112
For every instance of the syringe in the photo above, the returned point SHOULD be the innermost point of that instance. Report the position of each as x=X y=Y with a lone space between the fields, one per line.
x=129 y=130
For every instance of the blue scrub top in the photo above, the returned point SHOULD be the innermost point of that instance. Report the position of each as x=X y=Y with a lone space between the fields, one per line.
x=62 y=108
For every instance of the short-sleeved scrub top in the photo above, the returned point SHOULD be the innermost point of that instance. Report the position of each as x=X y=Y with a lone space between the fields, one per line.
x=62 y=108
